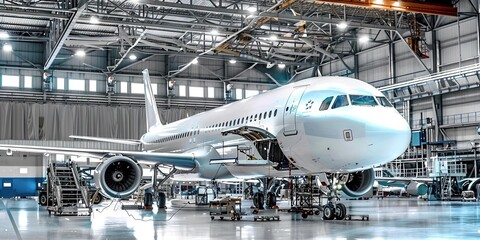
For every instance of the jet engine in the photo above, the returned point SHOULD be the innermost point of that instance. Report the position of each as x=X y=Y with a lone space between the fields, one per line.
x=359 y=183
x=118 y=177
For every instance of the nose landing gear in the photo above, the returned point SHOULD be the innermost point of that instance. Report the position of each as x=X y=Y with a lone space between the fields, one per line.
x=336 y=211
x=307 y=199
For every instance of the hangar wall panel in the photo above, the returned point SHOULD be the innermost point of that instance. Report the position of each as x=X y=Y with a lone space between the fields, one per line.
x=250 y=75
x=407 y=66
x=337 y=68
x=20 y=175
x=449 y=39
x=463 y=136
x=420 y=110
x=32 y=121
x=155 y=64
x=373 y=67
x=466 y=101
x=32 y=52
x=67 y=59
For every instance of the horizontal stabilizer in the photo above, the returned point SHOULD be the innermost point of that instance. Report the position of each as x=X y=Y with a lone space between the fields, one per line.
x=110 y=140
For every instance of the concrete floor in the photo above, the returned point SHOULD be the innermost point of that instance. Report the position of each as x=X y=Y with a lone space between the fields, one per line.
x=389 y=219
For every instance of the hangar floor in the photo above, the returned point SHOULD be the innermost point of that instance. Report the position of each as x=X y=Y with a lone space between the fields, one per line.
x=389 y=219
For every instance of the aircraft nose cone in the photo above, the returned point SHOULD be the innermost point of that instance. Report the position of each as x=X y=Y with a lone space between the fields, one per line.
x=389 y=135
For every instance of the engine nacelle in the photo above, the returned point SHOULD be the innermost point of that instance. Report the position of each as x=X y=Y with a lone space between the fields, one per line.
x=359 y=183
x=417 y=189
x=118 y=177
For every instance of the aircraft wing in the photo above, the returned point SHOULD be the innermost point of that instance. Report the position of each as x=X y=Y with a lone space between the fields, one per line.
x=179 y=160
x=110 y=140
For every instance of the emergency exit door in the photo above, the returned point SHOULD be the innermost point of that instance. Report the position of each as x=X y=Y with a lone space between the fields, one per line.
x=290 y=111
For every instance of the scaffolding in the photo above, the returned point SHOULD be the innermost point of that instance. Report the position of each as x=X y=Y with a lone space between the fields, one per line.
x=447 y=172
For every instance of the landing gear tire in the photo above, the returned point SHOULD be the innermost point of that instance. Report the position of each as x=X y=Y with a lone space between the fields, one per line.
x=271 y=200
x=98 y=199
x=42 y=199
x=328 y=212
x=258 y=199
x=340 y=211
x=161 y=199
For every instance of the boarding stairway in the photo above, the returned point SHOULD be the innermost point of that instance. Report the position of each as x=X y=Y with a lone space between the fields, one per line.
x=69 y=192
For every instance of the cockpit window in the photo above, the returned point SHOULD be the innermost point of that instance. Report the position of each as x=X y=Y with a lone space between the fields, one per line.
x=340 y=101
x=363 y=100
x=326 y=103
x=384 y=102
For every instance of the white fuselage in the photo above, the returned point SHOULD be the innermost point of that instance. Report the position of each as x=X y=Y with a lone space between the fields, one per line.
x=342 y=139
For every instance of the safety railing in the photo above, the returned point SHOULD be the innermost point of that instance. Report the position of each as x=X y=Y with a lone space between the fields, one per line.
x=454 y=119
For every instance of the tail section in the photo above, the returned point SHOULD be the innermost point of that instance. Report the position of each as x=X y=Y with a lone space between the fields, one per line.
x=153 y=119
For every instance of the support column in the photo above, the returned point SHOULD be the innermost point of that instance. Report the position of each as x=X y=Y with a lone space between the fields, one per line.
x=356 y=72
x=166 y=66
x=437 y=106
x=406 y=111
x=435 y=49
x=392 y=73
x=437 y=101
x=478 y=31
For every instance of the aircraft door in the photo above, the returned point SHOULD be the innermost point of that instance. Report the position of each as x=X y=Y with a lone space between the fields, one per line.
x=289 y=116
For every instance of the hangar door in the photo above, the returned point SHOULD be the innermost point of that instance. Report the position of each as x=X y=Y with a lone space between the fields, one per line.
x=290 y=114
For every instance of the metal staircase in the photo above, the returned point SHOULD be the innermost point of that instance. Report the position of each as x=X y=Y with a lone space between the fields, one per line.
x=446 y=183
x=69 y=192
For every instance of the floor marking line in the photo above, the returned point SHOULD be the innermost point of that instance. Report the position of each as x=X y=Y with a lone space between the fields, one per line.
x=12 y=220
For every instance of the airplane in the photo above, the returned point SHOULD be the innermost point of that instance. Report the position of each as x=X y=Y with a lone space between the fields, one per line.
x=338 y=128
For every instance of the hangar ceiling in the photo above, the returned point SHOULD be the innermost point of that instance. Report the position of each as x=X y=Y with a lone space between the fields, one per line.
x=299 y=33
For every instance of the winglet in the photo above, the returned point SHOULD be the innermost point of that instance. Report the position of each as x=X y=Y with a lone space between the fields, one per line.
x=151 y=109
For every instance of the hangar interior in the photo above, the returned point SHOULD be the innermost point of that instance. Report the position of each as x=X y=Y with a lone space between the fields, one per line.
x=74 y=67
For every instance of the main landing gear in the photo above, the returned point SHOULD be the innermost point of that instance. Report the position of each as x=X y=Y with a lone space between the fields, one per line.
x=160 y=196
x=265 y=196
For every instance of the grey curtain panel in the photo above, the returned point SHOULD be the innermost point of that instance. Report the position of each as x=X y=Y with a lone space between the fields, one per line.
x=33 y=121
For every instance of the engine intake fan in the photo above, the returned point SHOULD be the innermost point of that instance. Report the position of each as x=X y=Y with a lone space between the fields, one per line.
x=118 y=177
x=359 y=183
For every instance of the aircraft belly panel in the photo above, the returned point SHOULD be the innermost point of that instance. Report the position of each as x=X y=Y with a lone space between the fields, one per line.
x=255 y=171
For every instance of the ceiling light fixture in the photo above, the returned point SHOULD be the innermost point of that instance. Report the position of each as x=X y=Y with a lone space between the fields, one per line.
x=378 y=2
x=281 y=65
x=364 y=39
x=214 y=32
x=233 y=61
x=80 y=53
x=94 y=20
x=132 y=57
x=342 y=25
x=396 y=4
x=4 y=35
x=195 y=60
x=7 y=47
x=252 y=9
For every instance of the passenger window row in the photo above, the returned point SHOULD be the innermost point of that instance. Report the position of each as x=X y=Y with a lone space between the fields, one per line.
x=245 y=120
x=239 y=121
x=178 y=136
x=355 y=100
